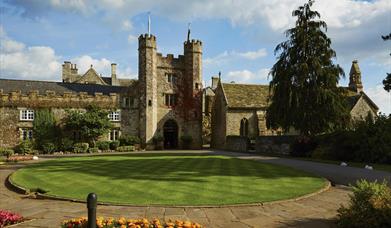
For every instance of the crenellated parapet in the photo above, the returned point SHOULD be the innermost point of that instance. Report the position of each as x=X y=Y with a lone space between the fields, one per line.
x=170 y=61
x=193 y=46
x=33 y=99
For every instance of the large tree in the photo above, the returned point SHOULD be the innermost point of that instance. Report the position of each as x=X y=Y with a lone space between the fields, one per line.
x=303 y=89
x=387 y=80
x=91 y=124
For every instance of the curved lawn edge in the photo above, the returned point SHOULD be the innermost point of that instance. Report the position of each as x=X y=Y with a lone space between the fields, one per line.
x=38 y=195
x=17 y=188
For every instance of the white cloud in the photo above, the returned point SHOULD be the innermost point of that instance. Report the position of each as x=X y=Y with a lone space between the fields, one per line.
x=232 y=55
x=127 y=25
x=19 y=61
x=132 y=39
x=254 y=54
x=102 y=66
x=381 y=98
x=246 y=76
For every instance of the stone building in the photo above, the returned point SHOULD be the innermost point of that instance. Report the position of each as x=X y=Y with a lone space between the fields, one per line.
x=239 y=109
x=165 y=101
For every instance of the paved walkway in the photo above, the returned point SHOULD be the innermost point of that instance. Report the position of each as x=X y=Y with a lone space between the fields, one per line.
x=339 y=175
x=315 y=211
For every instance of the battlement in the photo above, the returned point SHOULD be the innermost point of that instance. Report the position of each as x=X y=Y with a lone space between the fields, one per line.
x=170 y=61
x=193 y=46
x=147 y=36
x=33 y=99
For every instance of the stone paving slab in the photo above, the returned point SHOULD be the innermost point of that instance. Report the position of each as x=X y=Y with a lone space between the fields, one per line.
x=315 y=211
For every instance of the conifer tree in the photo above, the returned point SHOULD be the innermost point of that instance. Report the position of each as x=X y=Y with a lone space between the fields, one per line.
x=303 y=89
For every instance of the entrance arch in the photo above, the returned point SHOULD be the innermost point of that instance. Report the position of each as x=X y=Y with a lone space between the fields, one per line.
x=170 y=134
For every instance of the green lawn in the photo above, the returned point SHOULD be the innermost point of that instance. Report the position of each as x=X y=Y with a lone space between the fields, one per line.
x=152 y=179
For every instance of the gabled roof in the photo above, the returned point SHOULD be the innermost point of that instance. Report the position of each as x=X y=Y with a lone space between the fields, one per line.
x=353 y=97
x=25 y=86
x=93 y=75
x=246 y=95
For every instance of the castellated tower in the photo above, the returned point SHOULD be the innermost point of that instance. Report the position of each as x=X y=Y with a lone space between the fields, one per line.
x=170 y=94
x=147 y=86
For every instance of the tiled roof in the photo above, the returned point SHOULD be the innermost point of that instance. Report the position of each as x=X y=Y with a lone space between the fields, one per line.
x=25 y=86
x=246 y=95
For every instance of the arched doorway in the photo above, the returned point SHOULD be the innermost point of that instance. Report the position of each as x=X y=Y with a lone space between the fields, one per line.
x=170 y=134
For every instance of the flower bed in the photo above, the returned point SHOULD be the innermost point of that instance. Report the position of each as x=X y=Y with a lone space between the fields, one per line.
x=9 y=218
x=16 y=158
x=131 y=223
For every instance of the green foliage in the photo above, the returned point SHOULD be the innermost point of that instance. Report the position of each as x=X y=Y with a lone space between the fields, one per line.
x=304 y=79
x=125 y=148
x=129 y=140
x=48 y=147
x=114 y=145
x=302 y=146
x=6 y=152
x=25 y=147
x=91 y=124
x=186 y=139
x=370 y=206
x=368 y=141
x=387 y=80
x=93 y=150
x=103 y=145
x=44 y=127
x=157 y=139
x=80 y=147
x=66 y=144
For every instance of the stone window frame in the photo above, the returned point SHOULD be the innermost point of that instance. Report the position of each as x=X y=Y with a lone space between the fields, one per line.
x=172 y=78
x=114 y=116
x=26 y=133
x=127 y=102
x=244 y=127
x=170 y=99
x=114 y=134
x=26 y=115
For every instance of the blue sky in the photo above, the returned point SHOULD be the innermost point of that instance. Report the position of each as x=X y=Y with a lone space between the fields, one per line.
x=238 y=37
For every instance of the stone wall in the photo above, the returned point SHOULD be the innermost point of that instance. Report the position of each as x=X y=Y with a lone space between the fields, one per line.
x=219 y=120
x=237 y=143
x=234 y=117
x=11 y=104
x=361 y=110
x=274 y=144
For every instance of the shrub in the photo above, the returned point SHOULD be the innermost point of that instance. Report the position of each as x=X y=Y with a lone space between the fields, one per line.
x=80 y=147
x=103 y=145
x=6 y=152
x=44 y=127
x=93 y=150
x=129 y=140
x=48 y=148
x=66 y=144
x=370 y=206
x=114 y=145
x=125 y=148
x=302 y=146
x=25 y=147
x=187 y=139
x=9 y=218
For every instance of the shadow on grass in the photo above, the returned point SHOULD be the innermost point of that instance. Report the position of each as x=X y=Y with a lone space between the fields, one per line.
x=175 y=167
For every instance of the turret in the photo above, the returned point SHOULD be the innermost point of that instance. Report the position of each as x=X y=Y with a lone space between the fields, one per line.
x=193 y=62
x=355 y=83
x=147 y=68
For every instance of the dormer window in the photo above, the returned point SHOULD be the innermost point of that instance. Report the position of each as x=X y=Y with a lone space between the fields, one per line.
x=171 y=78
